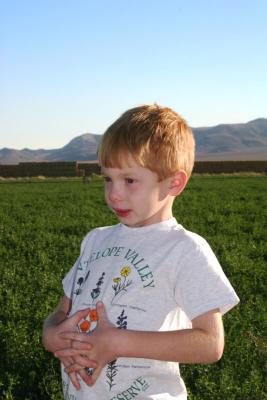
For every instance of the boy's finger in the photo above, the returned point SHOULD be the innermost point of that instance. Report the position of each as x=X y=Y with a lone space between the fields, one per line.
x=73 y=368
x=71 y=353
x=81 y=345
x=67 y=361
x=85 y=362
x=81 y=361
x=78 y=367
x=63 y=354
x=80 y=337
x=74 y=380
x=85 y=377
x=101 y=311
x=75 y=318
x=96 y=374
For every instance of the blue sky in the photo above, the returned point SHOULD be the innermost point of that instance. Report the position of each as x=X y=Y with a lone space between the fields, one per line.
x=71 y=67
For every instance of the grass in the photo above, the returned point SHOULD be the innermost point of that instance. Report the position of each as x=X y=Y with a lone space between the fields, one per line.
x=42 y=224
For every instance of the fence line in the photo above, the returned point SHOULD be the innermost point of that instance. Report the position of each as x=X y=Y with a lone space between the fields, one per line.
x=74 y=168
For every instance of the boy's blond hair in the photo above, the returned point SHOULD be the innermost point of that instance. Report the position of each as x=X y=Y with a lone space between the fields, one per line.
x=156 y=137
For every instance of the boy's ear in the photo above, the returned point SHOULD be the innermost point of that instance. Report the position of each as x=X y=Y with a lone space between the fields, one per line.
x=177 y=183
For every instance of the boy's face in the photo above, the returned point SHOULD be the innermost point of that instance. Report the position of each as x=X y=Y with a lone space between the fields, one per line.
x=136 y=196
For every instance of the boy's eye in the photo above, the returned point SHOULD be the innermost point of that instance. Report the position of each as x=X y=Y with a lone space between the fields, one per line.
x=107 y=178
x=129 y=180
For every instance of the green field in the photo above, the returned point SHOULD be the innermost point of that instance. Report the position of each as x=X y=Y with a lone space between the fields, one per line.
x=41 y=228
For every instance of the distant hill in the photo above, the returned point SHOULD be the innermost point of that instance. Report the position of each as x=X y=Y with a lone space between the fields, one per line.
x=81 y=148
x=222 y=142
x=233 y=141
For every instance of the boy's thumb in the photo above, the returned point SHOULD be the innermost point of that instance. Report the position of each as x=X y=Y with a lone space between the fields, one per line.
x=101 y=311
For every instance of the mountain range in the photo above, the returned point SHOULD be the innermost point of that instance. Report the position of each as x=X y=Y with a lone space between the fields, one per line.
x=246 y=141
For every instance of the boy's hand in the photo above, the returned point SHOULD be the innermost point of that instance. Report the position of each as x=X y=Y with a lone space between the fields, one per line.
x=53 y=341
x=67 y=362
x=95 y=346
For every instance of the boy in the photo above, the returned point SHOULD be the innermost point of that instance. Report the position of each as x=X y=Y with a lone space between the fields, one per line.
x=157 y=290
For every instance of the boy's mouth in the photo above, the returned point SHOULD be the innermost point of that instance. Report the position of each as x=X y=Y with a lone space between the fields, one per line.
x=121 y=213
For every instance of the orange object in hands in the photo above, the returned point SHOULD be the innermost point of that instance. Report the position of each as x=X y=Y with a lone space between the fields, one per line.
x=93 y=315
x=89 y=323
x=85 y=326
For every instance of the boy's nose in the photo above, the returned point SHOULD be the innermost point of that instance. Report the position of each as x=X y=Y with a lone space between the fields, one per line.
x=114 y=193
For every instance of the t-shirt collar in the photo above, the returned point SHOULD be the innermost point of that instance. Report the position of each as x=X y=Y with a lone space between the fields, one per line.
x=159 y=226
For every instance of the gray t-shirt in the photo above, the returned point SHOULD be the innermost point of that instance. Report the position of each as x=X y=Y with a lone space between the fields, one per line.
x=153 y=278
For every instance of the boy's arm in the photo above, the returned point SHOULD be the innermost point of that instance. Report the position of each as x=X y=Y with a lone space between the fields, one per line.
x=203 y=343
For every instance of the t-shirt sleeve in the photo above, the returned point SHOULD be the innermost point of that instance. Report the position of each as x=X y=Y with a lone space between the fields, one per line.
x=69 y=279
x=201 y=284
